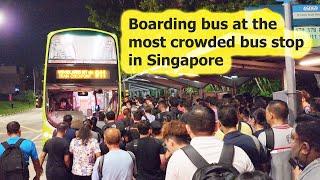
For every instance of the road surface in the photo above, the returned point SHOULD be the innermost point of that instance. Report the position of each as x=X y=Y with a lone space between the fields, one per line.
x=31 y=128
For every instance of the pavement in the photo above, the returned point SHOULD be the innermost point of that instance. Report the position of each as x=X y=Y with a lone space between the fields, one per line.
x=31 y=128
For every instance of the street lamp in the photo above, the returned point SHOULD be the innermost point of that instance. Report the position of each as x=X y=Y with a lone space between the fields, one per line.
x=1 y=18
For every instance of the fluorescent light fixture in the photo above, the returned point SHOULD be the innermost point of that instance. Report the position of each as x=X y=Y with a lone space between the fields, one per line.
x=234 y=77
x=315 y=61
x=160 y=77
x=196 y=81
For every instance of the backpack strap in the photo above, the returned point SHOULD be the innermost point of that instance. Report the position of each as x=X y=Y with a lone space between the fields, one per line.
x=18 y=143
x=135 y=145
x=227 y=154
x=239 y=126
x=269 y=139
x=100 y=166
x=194 y=156
x=5 y=145
x=135 y=172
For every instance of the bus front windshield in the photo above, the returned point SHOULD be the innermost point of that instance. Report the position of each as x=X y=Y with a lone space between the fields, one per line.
x=82 y=75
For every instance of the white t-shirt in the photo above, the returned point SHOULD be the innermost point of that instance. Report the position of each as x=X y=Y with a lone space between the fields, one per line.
x=210 y=148
x=149 y=116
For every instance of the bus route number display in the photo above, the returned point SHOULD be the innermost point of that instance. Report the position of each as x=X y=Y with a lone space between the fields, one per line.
x=82 y=74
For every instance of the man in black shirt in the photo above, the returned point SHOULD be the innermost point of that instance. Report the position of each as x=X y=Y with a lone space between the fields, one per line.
x=57 y=149
x=147 y=151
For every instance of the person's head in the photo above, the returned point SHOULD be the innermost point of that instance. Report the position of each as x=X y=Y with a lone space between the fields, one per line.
x=94 y=121
x=111 y=116
x=112 y=137
x=175 y=135
x=156 y=128
x=162 y=106
x=227 y=117
x=13 y=128
x=148 y=109
x=277 y=112
x=259 y=117
x=243 y=113
x=137 y=115
x=305 y=96
x=184 y=105
x=62 y=128
x=259 y=102
x=211 y=101
x=148 y=101
x=102 y=116
x=174 y=102
x=144 y=128
x=254 y=175
x=305 y=142
x=139 y=101
x=200 y=122
x=85 y=133
x=88 y=122
x=67 y=119
x=63 y=103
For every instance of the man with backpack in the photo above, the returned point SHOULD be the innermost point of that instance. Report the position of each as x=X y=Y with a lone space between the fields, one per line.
x=117 y=163
x=276 y=140
x=228 y=121
x=15 y=153
x=206 y=156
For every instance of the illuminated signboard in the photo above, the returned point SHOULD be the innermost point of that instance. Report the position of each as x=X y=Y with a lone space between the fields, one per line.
x=82 y=74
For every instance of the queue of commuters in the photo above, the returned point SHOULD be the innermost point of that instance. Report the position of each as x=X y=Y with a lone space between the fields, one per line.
x=173 y=138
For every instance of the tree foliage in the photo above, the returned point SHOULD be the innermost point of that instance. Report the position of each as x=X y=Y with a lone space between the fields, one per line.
x=106 y=14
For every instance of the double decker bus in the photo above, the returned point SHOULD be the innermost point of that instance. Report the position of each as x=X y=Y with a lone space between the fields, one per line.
x=81 y=75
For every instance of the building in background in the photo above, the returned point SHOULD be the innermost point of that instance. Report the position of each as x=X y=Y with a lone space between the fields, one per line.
x=12 y=78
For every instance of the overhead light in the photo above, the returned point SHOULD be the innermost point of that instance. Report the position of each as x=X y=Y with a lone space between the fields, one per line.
x=196 y=81
x=234 y=77
x=310 y=62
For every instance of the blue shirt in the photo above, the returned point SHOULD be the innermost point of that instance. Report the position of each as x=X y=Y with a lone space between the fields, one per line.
x=28 y=148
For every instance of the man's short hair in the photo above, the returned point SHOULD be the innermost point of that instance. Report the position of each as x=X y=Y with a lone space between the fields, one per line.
x=13 y=127
x=112 y=136
x=67 y=118
x=144 y=127
x=111 y=115
x=309 y=131
x=174 y=101
x=62 y=127
x=279 y=109
x=185 y=103
x=102 y=116
x=137 y=115
x=228 y=116
x=162 y=103
x=148 y=109
x=200 y=120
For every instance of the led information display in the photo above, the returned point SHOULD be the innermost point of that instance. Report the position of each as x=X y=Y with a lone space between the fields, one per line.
x=82 y=74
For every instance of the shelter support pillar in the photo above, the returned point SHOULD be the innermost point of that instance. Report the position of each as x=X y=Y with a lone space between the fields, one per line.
x=290 y=79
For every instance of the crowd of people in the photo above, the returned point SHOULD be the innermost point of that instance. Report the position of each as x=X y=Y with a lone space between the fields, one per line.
x=174 y=138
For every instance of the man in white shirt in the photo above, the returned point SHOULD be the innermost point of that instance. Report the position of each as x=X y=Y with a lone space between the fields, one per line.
x=117 y=164
x=201 y=127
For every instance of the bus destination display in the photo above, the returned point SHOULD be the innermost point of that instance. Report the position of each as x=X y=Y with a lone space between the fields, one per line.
x=82 y=74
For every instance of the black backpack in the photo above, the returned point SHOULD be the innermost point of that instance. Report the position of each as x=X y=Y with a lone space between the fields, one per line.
x=12 y=163
x=223 y=170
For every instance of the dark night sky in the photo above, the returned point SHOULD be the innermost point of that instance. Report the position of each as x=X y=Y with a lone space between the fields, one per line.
x=24 y=32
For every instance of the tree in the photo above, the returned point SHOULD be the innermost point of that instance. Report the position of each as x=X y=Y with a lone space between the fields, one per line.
x=106 y=14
